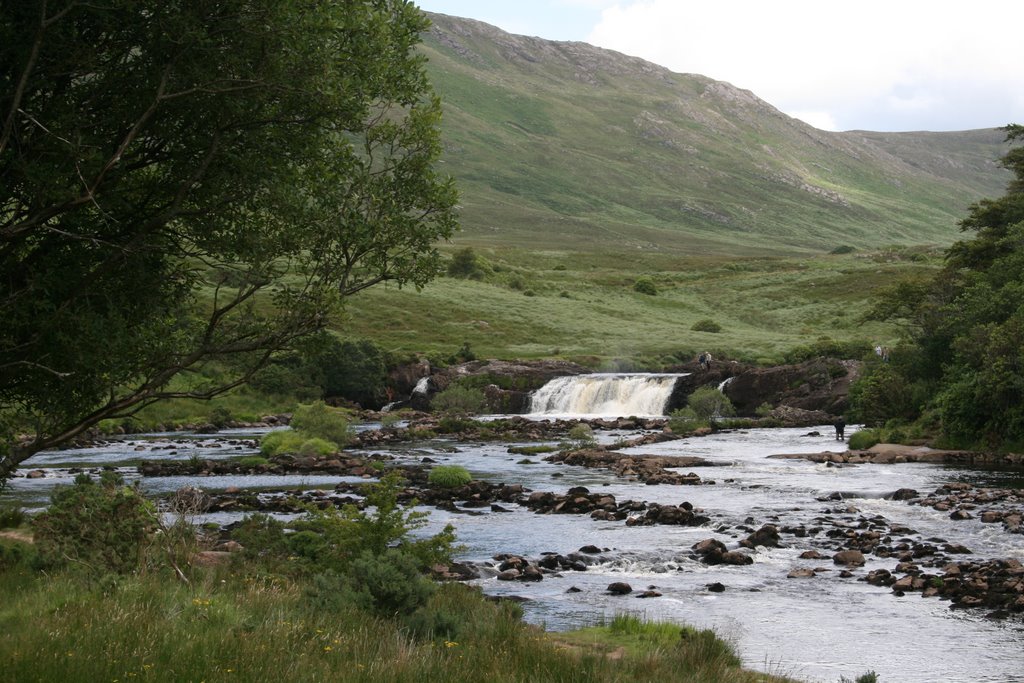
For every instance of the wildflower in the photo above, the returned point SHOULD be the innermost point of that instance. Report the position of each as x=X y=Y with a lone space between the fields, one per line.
x=449 y=643
x=327 y=648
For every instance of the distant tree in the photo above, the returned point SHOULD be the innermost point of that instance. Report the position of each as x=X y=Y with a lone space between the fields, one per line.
x=187 y=184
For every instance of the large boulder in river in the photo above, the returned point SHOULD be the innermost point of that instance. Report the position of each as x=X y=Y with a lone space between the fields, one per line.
x=767 y=536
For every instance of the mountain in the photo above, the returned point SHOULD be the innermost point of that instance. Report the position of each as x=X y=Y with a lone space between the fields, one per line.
x=565 y=146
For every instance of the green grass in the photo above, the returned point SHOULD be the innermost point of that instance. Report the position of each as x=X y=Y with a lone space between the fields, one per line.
x=590 y=313
x=230 y=627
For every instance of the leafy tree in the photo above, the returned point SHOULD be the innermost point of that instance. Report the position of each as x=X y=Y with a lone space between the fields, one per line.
x=187 y=184
x=965 y=328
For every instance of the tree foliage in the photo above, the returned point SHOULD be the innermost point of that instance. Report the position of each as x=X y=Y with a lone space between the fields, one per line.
x=964 y=353
x=192 y=183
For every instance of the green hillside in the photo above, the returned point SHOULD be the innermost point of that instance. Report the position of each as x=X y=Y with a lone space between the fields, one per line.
x=560 y=145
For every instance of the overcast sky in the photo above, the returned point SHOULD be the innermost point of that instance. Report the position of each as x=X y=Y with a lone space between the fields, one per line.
x=887 y=65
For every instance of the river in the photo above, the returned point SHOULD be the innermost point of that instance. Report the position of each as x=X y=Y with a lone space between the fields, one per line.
x=815 y=629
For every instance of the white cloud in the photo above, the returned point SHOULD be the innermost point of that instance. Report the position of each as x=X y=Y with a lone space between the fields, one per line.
x=935 y=62
x=821 y=120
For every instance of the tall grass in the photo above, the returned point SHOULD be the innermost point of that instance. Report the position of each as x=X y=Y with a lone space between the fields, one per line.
x=230 y=627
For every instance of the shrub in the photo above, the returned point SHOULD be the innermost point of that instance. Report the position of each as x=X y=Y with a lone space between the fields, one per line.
x=349 y=531
x=684 y=421
x=580 y=436
x=826 y=346
x=707 y=403
x=11 y=517
x=281 y=441
x=101 y=526
x=645 y=285
x=466 y=264
x=16 y=554
x=864 y=439
x=261 y=536
x=843 y=249
x=220 y=417
x=314 y=447
x=321 y=421
x=763 y=410
x=252 y=461
x=706 y=325
x=459 y=400
x=449 y=476
x=388 y=583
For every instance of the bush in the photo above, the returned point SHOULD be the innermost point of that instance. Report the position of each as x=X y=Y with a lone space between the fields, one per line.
x=645 y=285
x=101 y=526
x=467 y=265
x=318 y=420
x=388 y=584
x=251 y=461
x=220 y=417
x=706 y=325
x=449 y=476
x=261 y=536
x=826 y=346
x=281 y=441
x=16 y=554
x=316 y=447
x=459 y=400
x=580 y=436
x=708 y=403
x=11 y=517
x=684 y=421
x=763 y=410
x=864 y=439
x=843 y=249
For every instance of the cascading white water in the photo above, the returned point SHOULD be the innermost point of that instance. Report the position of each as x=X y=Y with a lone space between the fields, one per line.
x=605 y=394
x=423 y=386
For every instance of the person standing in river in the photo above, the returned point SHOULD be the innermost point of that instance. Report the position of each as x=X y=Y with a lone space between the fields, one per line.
x=840 y=426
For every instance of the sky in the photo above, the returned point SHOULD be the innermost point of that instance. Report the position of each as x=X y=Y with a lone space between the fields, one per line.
x=882 y=65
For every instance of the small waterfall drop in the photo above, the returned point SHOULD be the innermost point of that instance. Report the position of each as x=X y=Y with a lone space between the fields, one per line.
x=605 y=394
x=422 y=386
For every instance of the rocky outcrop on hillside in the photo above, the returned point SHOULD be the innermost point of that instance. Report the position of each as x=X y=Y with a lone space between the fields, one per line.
x=819 y=385
x=506 y=384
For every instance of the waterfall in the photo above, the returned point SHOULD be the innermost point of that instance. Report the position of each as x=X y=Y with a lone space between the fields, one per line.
x=725 y=383
x=423 y=386
x=605 y=394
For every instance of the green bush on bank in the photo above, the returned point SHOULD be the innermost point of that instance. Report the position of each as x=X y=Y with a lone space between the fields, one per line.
x=100 y=526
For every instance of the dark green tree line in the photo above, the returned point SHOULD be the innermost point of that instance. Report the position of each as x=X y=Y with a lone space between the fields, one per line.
x=963 y=362
x=192 y=183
